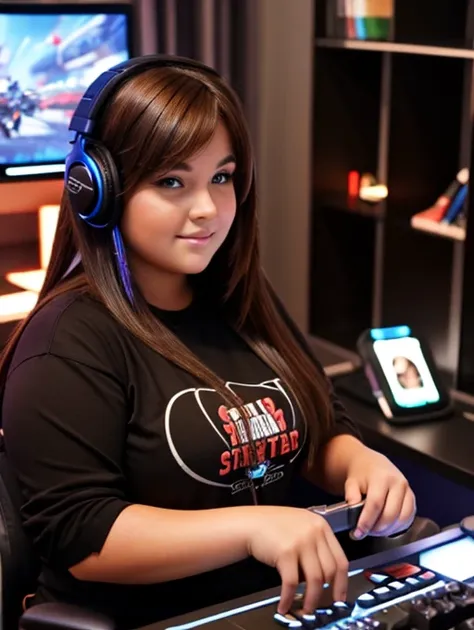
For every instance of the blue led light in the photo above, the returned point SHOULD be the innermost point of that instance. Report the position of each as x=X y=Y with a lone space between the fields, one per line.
x=393 y=332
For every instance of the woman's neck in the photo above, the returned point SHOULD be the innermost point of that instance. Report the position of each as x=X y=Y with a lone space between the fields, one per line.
x=166 y=291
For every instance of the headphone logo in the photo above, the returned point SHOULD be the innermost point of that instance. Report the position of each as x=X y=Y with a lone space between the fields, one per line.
x=75 y=186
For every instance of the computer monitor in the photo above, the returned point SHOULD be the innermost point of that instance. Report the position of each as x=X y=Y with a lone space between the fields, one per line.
x=49 y=55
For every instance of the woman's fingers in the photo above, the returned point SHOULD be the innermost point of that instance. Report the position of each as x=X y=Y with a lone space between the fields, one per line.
x=311 y=566
x=341 y=575
x=324 y=563
x=288 y=569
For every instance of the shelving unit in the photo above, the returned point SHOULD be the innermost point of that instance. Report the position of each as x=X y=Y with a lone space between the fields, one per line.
x=402 y=110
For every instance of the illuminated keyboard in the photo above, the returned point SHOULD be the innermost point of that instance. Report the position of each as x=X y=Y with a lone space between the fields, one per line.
x=447 y=605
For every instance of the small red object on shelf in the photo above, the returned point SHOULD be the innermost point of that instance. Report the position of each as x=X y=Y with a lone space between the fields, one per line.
x=353 y=184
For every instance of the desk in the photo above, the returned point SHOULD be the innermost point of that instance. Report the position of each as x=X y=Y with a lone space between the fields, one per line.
x=445 y=446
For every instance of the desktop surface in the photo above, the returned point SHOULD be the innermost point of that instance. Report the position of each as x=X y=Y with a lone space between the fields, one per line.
x=443 y=445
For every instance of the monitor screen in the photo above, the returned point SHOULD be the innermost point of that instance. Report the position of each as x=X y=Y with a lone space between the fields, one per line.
x=49 y=55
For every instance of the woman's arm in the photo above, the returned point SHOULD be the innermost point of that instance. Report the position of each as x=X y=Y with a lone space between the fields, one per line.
x=65 y=429
x=148 y=545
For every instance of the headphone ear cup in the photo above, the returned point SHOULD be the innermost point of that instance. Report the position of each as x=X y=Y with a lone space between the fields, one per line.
x=93 y=183
x=110 y=210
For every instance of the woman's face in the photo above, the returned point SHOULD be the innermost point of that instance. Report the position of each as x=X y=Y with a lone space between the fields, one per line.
x=173 y=226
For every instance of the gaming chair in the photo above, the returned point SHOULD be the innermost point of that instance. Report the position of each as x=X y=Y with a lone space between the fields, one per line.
x=20 y=568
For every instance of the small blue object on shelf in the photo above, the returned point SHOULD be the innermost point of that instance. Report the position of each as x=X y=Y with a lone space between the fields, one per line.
x=456 y=206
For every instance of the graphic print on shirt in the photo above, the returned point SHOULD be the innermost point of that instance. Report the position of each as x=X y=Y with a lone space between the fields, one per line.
x=272 y=419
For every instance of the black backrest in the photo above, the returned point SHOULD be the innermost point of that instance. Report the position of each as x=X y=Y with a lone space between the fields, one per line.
x=20 y=566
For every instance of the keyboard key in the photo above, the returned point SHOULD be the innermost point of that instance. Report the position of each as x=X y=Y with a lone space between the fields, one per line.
x=402 y=570
x=288 y=620
x=342 y=610
x=399 y=587
x=383 y=594
x=428 y=577
x=376 y=578
x=414 y=582
x=366 y=600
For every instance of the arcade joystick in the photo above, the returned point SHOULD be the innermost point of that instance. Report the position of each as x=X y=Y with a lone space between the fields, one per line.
x=341 y=516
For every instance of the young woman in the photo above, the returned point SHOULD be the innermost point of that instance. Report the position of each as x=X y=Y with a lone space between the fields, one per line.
x=158 y=401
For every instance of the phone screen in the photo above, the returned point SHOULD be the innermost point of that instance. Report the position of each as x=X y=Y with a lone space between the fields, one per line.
x=406 y=371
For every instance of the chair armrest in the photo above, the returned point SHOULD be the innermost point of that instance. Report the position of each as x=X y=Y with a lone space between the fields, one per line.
x=53 y=616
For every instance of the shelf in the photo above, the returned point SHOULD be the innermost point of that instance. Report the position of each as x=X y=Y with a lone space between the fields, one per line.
x=454 y=232
x=395 y=47
x=352 y=205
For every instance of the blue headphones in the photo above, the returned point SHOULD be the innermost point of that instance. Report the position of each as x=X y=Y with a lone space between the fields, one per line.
x=91 y=175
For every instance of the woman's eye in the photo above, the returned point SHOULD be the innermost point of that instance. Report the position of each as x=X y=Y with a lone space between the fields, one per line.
x=169 y=182
x=222 y=178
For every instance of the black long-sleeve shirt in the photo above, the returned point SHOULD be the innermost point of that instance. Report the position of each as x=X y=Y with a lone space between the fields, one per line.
x=95 y=421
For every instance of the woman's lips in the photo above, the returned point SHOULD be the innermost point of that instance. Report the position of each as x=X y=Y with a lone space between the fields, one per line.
x=197 y=240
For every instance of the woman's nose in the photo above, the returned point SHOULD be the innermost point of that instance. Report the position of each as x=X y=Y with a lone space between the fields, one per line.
x=203 y=206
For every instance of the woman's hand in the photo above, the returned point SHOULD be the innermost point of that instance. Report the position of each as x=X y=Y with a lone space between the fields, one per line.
x=390 y=505
x=302 y=547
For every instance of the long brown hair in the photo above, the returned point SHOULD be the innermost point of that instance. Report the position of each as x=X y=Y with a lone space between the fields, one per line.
x=155 y=120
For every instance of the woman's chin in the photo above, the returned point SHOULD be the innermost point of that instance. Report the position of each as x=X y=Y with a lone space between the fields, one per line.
x=192 y=268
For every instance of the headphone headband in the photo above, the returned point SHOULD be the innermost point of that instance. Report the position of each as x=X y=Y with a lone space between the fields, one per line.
x=86 y=112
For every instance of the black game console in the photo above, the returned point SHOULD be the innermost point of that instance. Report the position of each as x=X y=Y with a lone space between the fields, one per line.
x=425 y=585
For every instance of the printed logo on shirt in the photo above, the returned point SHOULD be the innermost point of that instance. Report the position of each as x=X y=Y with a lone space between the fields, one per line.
x=269 y=432
x=226 y=462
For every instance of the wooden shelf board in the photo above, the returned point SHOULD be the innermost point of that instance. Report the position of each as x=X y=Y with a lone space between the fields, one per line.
x=395 y=47
x=352 y=205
